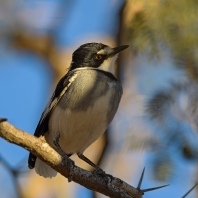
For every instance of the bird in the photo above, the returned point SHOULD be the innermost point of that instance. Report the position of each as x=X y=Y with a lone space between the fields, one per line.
x=82 y=106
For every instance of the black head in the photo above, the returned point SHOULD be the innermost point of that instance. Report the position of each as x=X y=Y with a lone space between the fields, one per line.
x=94 y=55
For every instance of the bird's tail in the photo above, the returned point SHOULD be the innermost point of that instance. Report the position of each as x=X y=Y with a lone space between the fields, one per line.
x=44 y=170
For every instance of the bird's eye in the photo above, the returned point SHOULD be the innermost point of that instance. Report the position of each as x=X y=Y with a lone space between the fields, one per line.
x=98 y=57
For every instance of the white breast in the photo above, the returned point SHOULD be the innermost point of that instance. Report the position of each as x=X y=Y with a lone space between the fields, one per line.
x=79 y=129
x=85 y=110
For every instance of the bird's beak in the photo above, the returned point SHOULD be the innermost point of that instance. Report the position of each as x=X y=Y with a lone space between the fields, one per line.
x=118 y=49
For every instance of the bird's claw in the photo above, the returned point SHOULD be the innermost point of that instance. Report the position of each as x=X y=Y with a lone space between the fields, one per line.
x=99 y=171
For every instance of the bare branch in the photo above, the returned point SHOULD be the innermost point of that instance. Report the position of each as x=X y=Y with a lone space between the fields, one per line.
x=105 y=185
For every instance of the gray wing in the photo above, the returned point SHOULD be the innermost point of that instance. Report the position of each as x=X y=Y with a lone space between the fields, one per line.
x=42 y=126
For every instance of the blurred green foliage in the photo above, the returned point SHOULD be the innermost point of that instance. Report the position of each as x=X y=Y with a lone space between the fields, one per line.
x=151 y=26
x=173 y=24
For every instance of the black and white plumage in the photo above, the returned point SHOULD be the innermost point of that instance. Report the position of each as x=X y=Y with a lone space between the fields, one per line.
x=83 y=104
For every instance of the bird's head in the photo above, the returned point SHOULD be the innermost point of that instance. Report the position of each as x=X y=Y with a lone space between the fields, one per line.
x=96 y=55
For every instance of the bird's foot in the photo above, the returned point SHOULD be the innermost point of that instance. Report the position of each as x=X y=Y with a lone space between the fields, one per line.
x=71 y=169
x=65 y=158
x=69 y=163
x=99 y=171
x=108 y=178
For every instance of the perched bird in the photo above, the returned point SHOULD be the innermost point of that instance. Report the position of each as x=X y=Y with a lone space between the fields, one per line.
x=82 y=106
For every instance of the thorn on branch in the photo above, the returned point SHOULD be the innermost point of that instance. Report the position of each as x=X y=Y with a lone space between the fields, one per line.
x=148 y=189
x=3 y=120
x=151 y=189
x=189 y=191
x=141 y=178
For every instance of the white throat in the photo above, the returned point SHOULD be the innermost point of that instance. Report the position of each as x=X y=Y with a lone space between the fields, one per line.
x=108 y=64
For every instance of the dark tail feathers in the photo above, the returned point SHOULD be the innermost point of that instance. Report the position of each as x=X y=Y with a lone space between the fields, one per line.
x=31 y=161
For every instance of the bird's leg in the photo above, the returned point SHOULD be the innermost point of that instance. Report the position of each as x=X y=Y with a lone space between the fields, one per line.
x=56 y=143
x=97 y=168
x=64 y=155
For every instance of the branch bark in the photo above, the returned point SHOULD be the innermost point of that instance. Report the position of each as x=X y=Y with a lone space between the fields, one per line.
x=109 y=186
